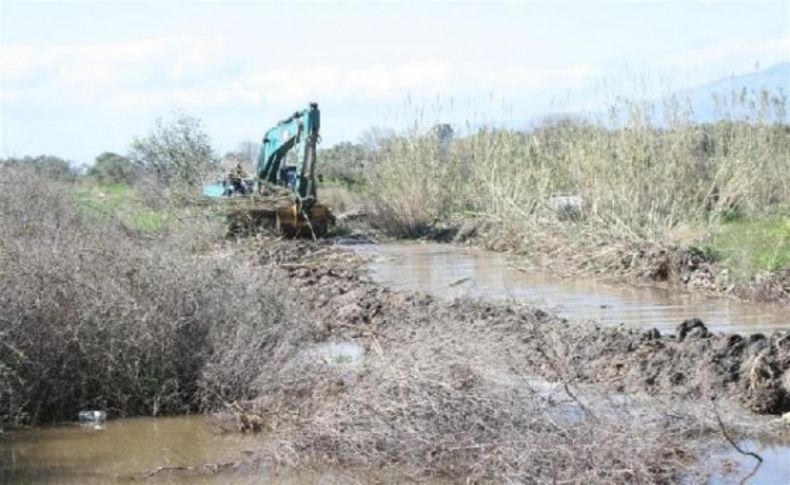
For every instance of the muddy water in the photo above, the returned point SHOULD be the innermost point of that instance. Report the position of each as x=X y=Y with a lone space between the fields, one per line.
x=132 y=450
x=450 y=271
x=124 y=450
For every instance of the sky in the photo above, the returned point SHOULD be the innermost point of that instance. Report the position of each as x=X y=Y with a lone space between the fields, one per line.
x=81 y=78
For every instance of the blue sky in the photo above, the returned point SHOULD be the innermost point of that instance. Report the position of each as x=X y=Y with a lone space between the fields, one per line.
x=79 y=78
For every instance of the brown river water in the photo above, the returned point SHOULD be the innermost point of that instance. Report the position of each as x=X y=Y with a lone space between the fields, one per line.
x=129 y=450
x=450 y=271
x=132 y=450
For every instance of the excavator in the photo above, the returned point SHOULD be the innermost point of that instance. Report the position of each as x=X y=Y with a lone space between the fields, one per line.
x=281 y=193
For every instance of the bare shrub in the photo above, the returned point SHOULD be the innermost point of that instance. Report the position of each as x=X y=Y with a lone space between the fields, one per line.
x=94 y=315
x=269 y=330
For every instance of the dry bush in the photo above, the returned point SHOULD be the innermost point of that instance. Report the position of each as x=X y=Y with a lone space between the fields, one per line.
x=270 y=329
x=340 y=199
x=94 y=315
x=459 y=408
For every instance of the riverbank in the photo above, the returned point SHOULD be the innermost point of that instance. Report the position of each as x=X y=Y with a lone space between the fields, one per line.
x=688 y=268
x=705 y=207
x=296 y=341
x=690 y=362
x=470 y=389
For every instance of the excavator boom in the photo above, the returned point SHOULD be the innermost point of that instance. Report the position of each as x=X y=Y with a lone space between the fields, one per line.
x=303 y=215
x=300 y=131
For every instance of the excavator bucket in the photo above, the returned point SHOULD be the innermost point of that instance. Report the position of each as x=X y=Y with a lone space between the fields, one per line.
x=293 y=223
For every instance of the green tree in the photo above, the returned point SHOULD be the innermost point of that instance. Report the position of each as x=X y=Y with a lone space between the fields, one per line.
x=177 y=151
x=111 y=168
x=345 y=161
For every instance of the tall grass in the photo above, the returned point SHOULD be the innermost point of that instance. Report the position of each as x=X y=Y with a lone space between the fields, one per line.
x=636 y=180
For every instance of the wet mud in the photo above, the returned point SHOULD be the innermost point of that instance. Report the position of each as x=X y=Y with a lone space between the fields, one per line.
x=690 y=362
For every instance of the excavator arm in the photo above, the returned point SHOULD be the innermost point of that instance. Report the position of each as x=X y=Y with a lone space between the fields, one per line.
x=299 y=131
x=303 y=215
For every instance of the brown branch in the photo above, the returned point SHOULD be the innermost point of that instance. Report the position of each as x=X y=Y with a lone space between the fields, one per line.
x=736 y=446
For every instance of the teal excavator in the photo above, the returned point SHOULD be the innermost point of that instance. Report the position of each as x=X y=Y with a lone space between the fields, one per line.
x=284 y=193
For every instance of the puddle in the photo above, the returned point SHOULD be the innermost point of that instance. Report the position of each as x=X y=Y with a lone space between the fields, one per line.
x=129 y=450
x=775 y=469
x=124 y=449
x=450 y=271
x=336 y=353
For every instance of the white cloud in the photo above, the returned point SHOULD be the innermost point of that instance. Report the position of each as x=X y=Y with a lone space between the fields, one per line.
x=569 y=77
x=189 y=71
x=284 y=86
x=743 y=49
x=108 y=66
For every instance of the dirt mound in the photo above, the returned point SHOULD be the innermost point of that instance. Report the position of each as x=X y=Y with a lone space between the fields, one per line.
x=692 y=363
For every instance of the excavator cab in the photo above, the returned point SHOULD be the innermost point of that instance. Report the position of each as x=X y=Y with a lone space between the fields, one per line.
x=288 y=177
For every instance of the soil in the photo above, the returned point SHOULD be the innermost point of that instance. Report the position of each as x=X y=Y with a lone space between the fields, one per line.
x=691 y=363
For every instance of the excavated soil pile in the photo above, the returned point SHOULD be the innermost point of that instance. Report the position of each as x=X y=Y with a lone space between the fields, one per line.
x=691 y=363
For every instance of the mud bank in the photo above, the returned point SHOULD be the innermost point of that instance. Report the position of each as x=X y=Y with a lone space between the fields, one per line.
x=690 y=363
x=396 y=386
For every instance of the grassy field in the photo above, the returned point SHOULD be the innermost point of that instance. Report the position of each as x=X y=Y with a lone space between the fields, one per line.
x=746 y=247
x=123 y=202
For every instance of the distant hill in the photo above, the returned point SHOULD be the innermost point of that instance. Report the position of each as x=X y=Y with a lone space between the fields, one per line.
x=713 y=101
x=703 y=98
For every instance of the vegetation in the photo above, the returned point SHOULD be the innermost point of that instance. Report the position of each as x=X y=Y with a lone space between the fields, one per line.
x=45 y=165
x=746 y=247
x=96 y=314
x=176 y=152
x=345 y=162
x=122 y=203
x=111 y=168
x=634 y=183
x=116 y=298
